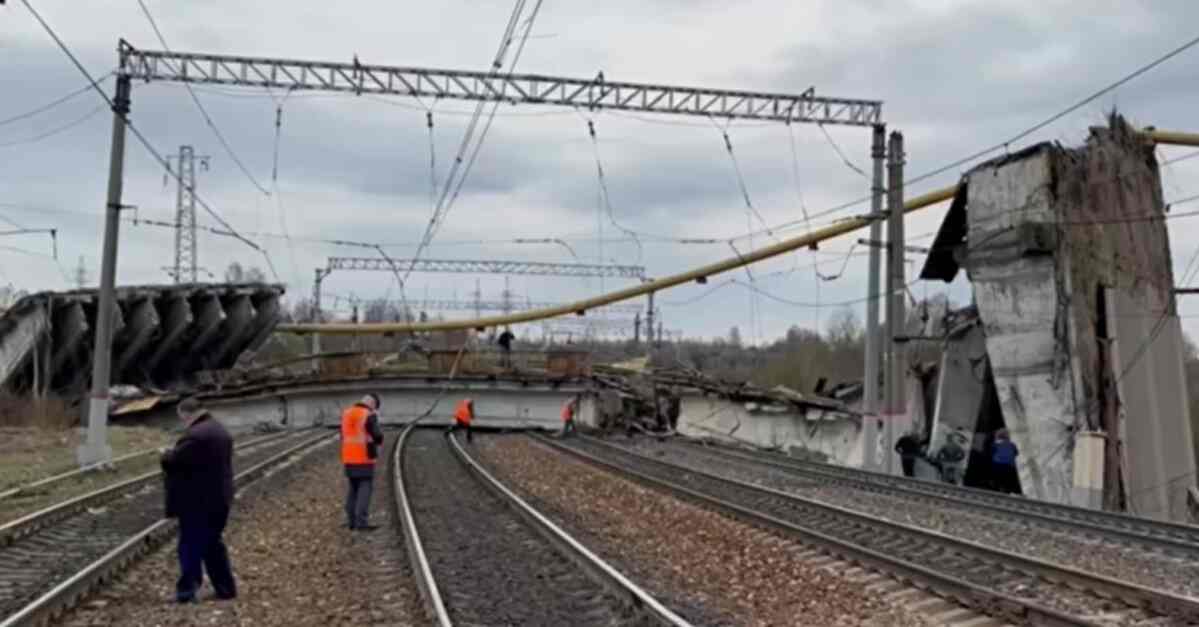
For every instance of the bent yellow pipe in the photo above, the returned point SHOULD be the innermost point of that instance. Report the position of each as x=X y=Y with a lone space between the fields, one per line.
x=702 y=273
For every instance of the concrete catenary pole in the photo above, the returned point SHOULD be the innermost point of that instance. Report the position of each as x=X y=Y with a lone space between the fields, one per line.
x=896 y=404
x=649 y=320
x=96 y=449
x=878 y=152
x=317 y=315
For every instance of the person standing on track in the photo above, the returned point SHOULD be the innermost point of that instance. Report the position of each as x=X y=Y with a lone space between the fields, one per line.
x=464 y=414
x=361 y=438
x=505 y=342
x=909 y=449
x=568 y=415
x=1003 y=463
x=199 y=492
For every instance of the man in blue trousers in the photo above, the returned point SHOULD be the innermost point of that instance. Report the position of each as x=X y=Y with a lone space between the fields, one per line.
x=199 y=492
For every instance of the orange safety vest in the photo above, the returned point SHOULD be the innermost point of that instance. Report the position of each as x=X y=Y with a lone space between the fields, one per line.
x=354 y=436
x=464 y=413
x=568 y=411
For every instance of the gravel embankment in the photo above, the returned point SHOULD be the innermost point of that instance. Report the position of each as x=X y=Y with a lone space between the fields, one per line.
x=1007 y=533
x=686 y=556
x=295 y=563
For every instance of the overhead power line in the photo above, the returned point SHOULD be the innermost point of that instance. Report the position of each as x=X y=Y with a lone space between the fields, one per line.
x=52 y=103
x=138 y=134
x=204 y=112
x=56 y=130
x=1006 y=144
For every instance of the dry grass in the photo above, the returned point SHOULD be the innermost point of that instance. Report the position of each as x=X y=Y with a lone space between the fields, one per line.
x=31 y=453
x=46 y=413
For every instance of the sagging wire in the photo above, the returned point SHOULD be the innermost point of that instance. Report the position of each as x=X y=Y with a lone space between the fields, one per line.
x=840 y=153
x=141 y=138
x=280 y=210
x=838 y=273
x=203 y=112
x=605 y=197
x=548 y=240
x=56 y=130
x=54 y=103
x=728 y=146
x=446 y=201
x=751 y=212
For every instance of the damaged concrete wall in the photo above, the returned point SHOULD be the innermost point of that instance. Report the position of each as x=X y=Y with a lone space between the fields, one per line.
x=833 y=434
x=1017 y=293
x=1049 y=231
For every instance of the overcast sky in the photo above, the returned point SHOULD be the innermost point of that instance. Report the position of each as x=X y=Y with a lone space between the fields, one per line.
x=955 y=76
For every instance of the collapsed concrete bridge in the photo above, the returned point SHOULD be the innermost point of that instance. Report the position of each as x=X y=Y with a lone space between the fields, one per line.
x=163 y=334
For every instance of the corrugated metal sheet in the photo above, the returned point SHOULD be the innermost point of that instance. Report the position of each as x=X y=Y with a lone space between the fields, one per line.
x=136 y=405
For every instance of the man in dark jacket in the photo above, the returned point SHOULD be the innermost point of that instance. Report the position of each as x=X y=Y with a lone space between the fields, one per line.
x=361 y=438
x=909 y=449
x=199 y=487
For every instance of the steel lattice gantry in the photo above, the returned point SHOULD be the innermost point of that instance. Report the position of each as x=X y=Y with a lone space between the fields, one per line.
x=591 y=93
x=465 y=266
x=515 y=305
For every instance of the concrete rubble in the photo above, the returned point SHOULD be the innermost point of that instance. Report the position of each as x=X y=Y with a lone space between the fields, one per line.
x=164 y=335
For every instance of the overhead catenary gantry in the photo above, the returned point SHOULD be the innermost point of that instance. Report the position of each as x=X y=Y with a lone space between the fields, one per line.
x=488 y=266
x=589 y=93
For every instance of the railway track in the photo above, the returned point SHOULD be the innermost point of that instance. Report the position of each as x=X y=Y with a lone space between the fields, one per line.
x=1004 y=585
x=1172 y=539
x=52 y=558
x=482 y=556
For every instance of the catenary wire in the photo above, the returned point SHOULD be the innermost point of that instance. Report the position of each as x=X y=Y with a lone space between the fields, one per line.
x=200 y=106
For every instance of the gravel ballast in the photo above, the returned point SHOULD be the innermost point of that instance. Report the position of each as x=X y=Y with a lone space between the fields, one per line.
x=295 y=563
x=710 y=568
x=1025 y=537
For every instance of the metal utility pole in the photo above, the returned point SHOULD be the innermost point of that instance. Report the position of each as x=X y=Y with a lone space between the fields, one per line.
x=317 y=315
x=96 y=449
x=186 y=252
x=649 y=321
x=878 y=152
x=896 y=401
x=81 y=273
x=478 y=294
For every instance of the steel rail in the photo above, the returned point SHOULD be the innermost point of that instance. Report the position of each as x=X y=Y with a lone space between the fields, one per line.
x=48 y=607
x=612 y=578
x=989 y=601
x=1164 y=535
x=41 y=483
x=14 y=530
x=423 y=572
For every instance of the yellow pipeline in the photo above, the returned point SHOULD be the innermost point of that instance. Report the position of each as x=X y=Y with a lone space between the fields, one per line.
x=808 y=239
x=1172 y=137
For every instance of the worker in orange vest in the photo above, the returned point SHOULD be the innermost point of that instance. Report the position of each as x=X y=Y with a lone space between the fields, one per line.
x=464 y=413
x=361 y=438
x=569 y=409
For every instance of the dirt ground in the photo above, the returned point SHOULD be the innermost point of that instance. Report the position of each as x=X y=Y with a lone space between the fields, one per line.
x=29 y=453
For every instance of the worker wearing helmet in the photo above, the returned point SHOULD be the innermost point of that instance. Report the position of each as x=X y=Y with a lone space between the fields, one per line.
x=464 y=413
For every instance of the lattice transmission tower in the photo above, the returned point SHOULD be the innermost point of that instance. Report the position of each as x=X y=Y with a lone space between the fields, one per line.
x=186 y=266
